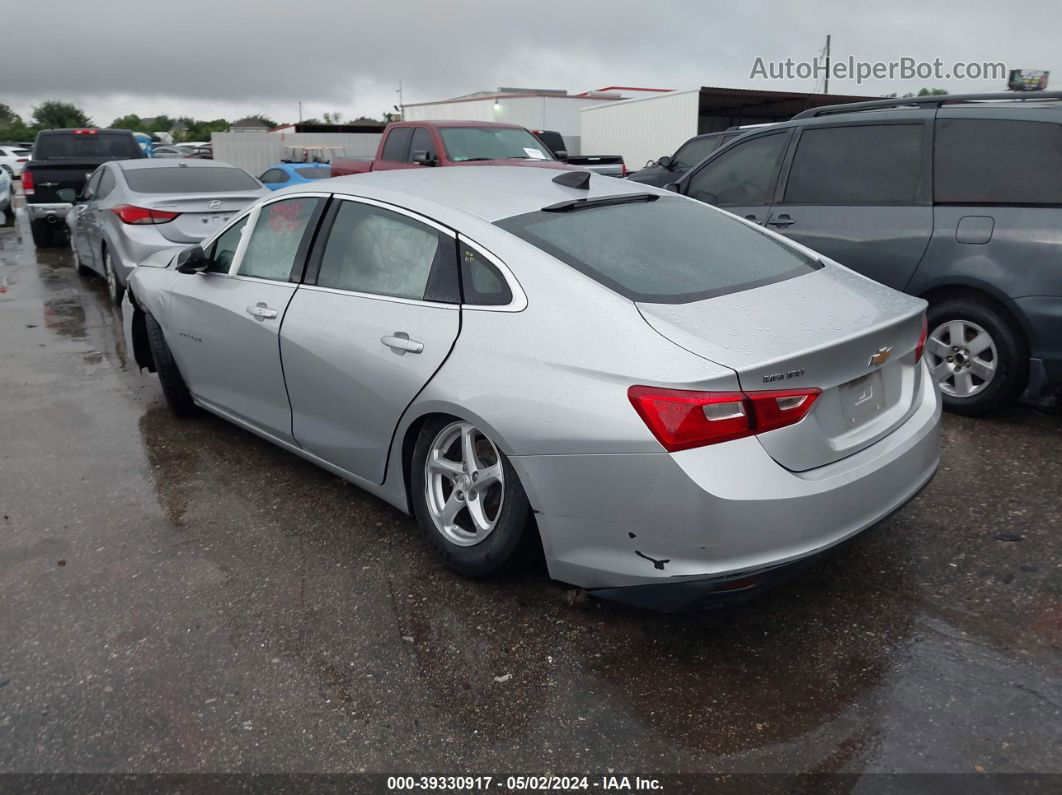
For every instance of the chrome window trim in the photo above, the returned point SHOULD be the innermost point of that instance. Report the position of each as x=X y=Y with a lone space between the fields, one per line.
x=401 y=211
x=377 y=297
x=519 y=301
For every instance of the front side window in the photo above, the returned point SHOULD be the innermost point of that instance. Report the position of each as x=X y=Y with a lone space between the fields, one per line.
x=743 y=175
x=421 y=143
x=492 y=143
x=997 y=162
x=93 y=184
x=693 y=152
x=375 y=251
x=223 y=250
x=669 y=250
x=396 y=146
x=106 y=184
x=865 y=164
x=276 y=237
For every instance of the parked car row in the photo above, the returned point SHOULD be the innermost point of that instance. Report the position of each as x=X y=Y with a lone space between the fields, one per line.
x=902 y=191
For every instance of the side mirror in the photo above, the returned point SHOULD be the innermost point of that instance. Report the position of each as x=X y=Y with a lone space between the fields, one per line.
x=674 y=187
x=561 y=154
x=421 y=158
x=192 y=260
x=67 y=195
x=664 y=162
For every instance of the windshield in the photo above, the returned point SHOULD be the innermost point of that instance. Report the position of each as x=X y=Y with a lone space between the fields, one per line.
x=671 y=250
x=189 y=180
x=93 y=145
x=492 y=143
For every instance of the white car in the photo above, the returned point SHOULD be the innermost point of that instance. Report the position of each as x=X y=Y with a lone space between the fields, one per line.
x=5 y=192
x=13 y=159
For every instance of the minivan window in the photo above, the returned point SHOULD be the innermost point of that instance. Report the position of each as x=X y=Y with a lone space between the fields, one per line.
x=996 y=161
x=396 y=147
x=694 y=151
x=864 y=164
x=188 y=179
x=95 y=145
x=666 y=251
x=743 y=174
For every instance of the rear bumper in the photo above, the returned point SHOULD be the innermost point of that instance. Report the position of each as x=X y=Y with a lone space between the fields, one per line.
x=1043 y=314
x=699 y=518
x=56 y=211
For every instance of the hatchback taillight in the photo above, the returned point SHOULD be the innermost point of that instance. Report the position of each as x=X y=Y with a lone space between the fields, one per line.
x=27 y=183
x=681 y=419
x=131 y=214
x=920 y=348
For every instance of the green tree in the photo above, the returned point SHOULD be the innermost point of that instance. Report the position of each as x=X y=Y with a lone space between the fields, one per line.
x=128 y=122
x=52 y=114
x=7 y=115
x=331 y=118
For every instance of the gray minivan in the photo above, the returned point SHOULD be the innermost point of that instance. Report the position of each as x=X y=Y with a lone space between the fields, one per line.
x=957 y=199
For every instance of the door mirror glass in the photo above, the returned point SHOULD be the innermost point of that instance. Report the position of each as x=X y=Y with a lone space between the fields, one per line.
x=67 y=195
x=192 y=260
x=664 y=161
x=422 y=158
x=674 y=187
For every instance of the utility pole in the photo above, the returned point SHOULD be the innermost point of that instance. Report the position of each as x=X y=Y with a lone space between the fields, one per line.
x=401 y=103
x=300 y=112
x=826 y=87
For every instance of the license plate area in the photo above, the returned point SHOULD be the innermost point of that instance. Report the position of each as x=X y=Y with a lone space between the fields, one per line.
x=863 y=399
x=216 y=220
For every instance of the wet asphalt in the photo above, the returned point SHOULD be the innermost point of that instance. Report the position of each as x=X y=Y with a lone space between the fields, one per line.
x=178 y=595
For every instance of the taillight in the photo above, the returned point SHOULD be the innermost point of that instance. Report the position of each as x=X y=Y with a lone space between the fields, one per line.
x=682 y=419
x=142 y=215
x=624 y=171
x=920 y=348
x=22 y=160
x=27 y=183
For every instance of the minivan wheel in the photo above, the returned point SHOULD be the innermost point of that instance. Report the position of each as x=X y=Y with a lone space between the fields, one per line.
x=976 y=355
x=468 y=500
x=174 y=389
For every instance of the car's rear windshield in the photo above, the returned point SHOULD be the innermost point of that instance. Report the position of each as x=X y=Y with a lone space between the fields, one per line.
x=180 y=179
x=314 y=173
x=671 y=250
x=492 y=143
x=92 y=145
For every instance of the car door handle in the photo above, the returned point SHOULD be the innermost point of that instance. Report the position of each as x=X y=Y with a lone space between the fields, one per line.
x=782 y=221
x=261 y=312
x=400 y=343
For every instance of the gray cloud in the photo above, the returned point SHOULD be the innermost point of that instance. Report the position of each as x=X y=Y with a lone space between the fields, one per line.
x=216 y=58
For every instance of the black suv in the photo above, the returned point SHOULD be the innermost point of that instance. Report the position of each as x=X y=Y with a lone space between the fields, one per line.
x=957 y=199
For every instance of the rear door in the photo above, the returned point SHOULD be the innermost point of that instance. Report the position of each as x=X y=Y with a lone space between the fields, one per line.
x=742 y=178
x=377 y=317
x=859 y=192
x=224 y=324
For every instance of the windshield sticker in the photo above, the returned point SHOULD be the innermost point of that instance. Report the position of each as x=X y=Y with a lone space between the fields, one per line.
x=534 y=154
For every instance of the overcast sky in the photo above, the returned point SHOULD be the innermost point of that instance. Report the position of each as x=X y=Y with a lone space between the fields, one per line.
x=230 y=58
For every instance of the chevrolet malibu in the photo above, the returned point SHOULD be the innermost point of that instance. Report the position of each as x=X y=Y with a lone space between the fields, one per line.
x=673 y=404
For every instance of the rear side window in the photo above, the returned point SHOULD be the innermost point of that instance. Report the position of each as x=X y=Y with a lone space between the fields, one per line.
x=482 y=283
x=188 y=179
x=314 y=173
x=866 y=164
x=990 y=161
x=95 y=145
x=693 y=152
x=396 y=147
x=273 y=175
x=375 y=251
x=276 y=237
x=670 y=250
x=742 y=175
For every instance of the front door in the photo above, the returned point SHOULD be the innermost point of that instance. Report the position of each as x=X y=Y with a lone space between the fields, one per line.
x=741 y=178
x=360 y=343
x=226 y=322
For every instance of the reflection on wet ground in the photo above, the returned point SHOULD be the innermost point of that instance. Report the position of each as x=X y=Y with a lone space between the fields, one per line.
x=180 y=595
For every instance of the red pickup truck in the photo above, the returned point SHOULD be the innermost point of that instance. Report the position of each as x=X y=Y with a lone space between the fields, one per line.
x=413 y=144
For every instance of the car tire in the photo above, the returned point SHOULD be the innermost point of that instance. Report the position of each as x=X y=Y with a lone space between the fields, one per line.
x=43 y=234
x=79 y=266
x=174 y=388
x=959 y=327
x=115 y=289
x=463 y=546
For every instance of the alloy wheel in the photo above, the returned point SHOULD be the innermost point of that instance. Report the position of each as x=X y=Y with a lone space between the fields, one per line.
x=962 y=358
x=464 y=484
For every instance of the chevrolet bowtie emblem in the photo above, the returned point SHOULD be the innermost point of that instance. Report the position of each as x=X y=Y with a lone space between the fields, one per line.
x=880 y=357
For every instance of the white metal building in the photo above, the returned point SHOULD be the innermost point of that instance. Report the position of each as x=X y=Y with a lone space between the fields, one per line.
x=535 y=109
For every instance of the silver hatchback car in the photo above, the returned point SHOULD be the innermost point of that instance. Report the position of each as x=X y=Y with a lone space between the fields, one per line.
x=672 y=403
x=129 y=209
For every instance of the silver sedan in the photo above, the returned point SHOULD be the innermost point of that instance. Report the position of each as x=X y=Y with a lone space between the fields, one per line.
x=129 y=209
x=670 y=403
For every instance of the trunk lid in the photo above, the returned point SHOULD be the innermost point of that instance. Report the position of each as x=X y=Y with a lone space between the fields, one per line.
x=49 y=177
x=832 y=329
x=200 y=214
